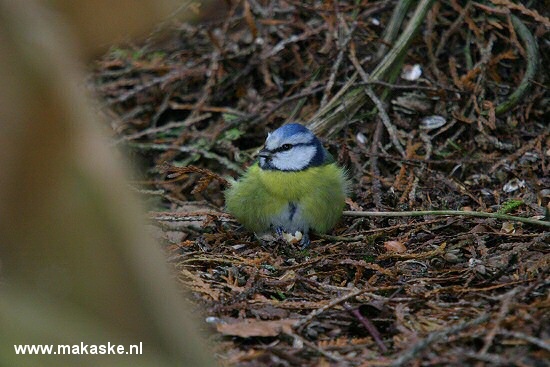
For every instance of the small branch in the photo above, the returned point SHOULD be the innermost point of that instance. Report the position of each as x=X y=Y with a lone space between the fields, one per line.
x=156 y=130
x=184 y=149
x=321 y=351
x=179 y=173
x=435 y=337
x=421 y=213
x=531 y=339
x=305 y=93
x=342 y=44
x=413 y=87
x=394 y=25
x=379 y=105
x=373 y=331
x=373 y=160
x=459 y=21
x=328 y=120
x=329 y=305
x=270 y=52
x=403 y=42
x=187 y=216
x=521 y=8
x=504 y=309
x=532 y=66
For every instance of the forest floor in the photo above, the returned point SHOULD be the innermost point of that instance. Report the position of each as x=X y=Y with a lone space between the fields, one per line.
x=461 y=123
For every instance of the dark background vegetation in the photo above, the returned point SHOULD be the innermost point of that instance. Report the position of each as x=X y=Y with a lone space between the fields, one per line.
x=431 y=290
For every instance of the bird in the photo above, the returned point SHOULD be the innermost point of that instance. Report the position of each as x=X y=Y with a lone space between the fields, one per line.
x=294 y=186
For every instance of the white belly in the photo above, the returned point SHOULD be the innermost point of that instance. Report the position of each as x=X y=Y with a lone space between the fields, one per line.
x=291 y=219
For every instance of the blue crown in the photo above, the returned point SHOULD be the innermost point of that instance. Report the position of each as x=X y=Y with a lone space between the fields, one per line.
x=291 y=129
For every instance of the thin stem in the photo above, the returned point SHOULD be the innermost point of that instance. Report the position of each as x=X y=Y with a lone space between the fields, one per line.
x=332 y=117
x=448 y=212
x=532 y=66
x=435 y=337
x=394 y=25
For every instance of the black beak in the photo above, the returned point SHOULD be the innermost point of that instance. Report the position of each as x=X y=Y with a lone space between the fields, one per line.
x=264 y=153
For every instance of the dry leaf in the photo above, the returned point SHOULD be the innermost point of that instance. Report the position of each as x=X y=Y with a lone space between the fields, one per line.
x=251 y=327
x=197 y=284
x=508 y=227
x=353 y=205
x=395 y=246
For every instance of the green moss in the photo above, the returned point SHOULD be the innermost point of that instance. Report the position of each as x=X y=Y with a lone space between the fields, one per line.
x=509 y=206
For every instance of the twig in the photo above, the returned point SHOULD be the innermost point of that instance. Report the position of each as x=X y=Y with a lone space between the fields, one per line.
x=270 y=52
x=530 y=72
x=386 y=121
x=186 y=216
x=284 y=101
x=329 y=305
x=164 y=104
x=531 y=339
x=342 y=44
x=504 y=309
x=492 y=359
x=448 y=212
x=373 y=331
x=206 y=153
x=414 y=87
x=394 y=25
x=176 y=74
x=435 y=337
x=168 y=126
x=178 y=173
x=148 y=192
x=456 y=25
x=521 y=151
x=429 y=35
x=211 y=72
x=529 y=12
x=379 y=105
x=329 y=119
x=402 y=44
x=329 y=355
x=375 y=171
x=378 y=231
x=440 y=250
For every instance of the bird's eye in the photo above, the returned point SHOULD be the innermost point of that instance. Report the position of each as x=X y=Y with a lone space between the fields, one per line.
x=286 y=147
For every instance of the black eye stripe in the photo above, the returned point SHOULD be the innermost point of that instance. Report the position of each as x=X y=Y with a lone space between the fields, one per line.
x=286 y=147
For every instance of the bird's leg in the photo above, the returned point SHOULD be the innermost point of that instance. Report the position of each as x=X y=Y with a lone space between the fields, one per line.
x=279 y=231
x=304 y=242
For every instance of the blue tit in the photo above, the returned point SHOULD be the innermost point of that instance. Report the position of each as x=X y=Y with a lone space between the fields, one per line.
x=294 y=186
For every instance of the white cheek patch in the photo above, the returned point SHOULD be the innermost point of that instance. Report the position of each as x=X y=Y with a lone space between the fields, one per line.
x=274 y=141
x=295 y=159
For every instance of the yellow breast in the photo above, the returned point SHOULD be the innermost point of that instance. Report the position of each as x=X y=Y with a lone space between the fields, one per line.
x=261 y=195
x=296 y=185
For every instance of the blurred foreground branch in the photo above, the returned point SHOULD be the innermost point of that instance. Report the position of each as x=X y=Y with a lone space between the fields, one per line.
x=76 y=265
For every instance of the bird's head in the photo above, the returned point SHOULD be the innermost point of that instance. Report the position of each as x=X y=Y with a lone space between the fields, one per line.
x=291 y=147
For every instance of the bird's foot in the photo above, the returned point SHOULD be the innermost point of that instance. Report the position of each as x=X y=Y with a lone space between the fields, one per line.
x=304 y=242
x=303 y=238
x=279 y=231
